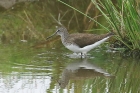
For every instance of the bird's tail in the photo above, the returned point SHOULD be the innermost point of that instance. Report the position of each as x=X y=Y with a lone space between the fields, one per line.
x=110 y=34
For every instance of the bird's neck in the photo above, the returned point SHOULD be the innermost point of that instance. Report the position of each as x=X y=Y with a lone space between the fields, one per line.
x=64 y=37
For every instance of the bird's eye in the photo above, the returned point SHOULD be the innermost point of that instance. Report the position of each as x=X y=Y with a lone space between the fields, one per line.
x=58 y=30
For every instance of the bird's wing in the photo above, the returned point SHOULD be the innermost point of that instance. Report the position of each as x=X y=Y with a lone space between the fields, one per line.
x=83 y=40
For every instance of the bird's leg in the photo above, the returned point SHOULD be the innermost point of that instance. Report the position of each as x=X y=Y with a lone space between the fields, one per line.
x=84 y=55
x=81 y=55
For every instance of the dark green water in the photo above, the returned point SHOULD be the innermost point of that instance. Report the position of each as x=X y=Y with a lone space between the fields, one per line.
x=51 y=70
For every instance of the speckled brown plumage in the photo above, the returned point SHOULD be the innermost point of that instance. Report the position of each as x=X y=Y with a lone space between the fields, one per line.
x=83 y=39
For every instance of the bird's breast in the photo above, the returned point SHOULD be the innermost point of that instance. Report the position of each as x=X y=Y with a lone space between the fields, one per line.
x=73 y=48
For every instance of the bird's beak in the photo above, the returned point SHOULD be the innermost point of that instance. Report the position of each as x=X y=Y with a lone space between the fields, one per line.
x=51 y=35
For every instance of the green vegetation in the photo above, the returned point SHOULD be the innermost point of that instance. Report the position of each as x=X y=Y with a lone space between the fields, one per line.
x=124 y=19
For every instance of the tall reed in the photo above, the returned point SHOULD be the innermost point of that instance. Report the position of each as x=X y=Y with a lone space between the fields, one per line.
x=123 y=18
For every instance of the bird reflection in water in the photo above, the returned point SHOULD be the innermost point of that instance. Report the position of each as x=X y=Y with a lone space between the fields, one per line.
x=81 y=70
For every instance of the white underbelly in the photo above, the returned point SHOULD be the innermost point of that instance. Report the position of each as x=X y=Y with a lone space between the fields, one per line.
x=87 y=48
x=73 y=48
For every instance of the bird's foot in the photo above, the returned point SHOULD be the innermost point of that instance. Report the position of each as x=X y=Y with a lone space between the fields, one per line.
x=83 y=55
x=78 y=55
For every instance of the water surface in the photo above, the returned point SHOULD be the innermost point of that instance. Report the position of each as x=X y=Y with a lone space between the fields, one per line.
x=49 y=70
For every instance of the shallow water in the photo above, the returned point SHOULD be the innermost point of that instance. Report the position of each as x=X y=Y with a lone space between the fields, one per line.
x=49 y=70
